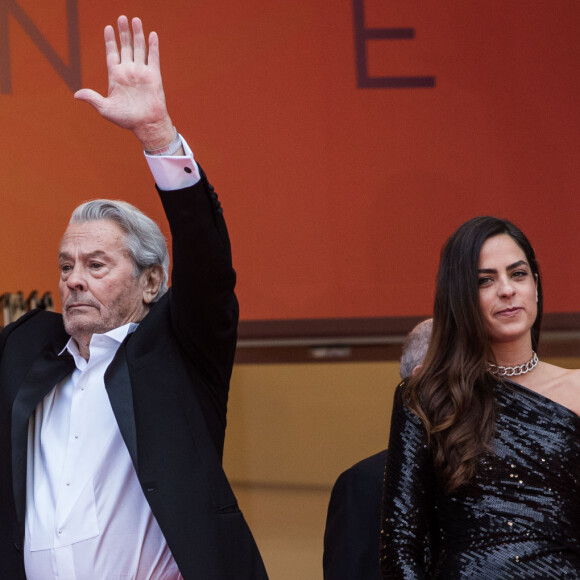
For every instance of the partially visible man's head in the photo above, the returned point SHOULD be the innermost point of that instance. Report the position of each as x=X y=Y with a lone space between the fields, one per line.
x=415 y=348
x=143 y=238
x=113 y=264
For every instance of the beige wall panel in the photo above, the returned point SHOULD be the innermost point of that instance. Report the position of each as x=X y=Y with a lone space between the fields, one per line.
x=302 y=424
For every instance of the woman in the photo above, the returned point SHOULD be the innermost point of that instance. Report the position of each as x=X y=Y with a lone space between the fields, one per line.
x=483 y=472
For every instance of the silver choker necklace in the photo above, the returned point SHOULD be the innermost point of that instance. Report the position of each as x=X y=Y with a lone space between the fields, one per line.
x=500 y=371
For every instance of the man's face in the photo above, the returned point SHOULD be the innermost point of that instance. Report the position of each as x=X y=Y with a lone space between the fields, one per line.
x=98 y=287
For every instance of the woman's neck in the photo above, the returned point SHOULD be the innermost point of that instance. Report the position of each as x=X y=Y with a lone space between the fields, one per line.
x=512 y=353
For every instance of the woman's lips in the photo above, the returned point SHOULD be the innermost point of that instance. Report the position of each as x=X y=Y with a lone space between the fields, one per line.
x=509 y=312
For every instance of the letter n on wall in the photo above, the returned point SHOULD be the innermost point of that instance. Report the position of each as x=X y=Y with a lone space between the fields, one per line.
x=70 y=73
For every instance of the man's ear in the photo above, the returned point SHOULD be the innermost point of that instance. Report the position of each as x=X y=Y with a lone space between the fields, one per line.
x=152 y=280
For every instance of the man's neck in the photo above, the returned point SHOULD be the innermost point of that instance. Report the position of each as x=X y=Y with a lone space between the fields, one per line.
x=83 y=341
x=83 y=344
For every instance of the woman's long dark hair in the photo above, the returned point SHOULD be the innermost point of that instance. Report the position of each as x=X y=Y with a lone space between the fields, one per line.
x=453 y=393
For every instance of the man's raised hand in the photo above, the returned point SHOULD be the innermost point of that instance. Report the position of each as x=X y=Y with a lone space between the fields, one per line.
x=135 y=99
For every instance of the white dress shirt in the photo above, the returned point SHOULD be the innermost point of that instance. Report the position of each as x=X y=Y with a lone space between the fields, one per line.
x=86 y=515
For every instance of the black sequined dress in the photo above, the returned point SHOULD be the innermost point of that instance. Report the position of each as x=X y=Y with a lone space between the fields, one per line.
x=518 y=519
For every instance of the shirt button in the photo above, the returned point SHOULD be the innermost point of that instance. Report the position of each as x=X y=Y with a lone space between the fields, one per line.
x=60 y=531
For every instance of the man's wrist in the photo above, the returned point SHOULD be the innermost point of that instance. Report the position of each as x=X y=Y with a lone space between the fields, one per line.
x=174 y=171
x=169 y=149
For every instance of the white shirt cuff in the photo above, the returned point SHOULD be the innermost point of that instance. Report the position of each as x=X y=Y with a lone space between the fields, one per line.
x=174 y=171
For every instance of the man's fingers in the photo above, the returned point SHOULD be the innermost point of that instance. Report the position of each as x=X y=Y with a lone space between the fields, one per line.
x=90 y=96
x=153 y=58
x=125 y=39
x=111 y=48
x=139 y=47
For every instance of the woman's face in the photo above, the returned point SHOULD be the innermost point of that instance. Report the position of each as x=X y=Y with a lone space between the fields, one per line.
x=508 y=296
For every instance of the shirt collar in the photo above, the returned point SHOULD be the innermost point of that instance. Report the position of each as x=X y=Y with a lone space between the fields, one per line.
x=113 y=338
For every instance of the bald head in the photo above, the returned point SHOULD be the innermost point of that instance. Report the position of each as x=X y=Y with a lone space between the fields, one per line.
x=415 y=348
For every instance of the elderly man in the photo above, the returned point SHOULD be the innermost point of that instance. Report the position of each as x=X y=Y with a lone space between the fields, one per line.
x=113 y=415
x=351 y=537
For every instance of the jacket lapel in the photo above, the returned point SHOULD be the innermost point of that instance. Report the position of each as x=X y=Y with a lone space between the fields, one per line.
x=47 y=370
x=118 y=385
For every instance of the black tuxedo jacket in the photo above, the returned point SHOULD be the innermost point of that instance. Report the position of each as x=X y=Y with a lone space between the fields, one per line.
x=352 y=534
x=168 y=387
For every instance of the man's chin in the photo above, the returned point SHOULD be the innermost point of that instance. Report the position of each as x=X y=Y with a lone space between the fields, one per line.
x=76 y=327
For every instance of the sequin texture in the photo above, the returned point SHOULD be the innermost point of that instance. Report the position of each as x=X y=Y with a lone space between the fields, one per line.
x=519 y=518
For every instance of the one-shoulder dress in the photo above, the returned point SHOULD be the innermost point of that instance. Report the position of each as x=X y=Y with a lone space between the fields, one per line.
x=518 y=519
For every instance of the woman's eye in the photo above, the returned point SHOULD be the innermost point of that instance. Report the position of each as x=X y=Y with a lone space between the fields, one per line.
x=520 y=274
x=484 y=281
x=95 y=266
x=65 y=268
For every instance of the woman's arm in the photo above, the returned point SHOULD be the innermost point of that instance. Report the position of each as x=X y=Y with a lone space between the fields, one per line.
x=407 y=496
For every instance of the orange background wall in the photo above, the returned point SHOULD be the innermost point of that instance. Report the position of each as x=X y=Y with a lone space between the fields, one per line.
x=338 y=198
